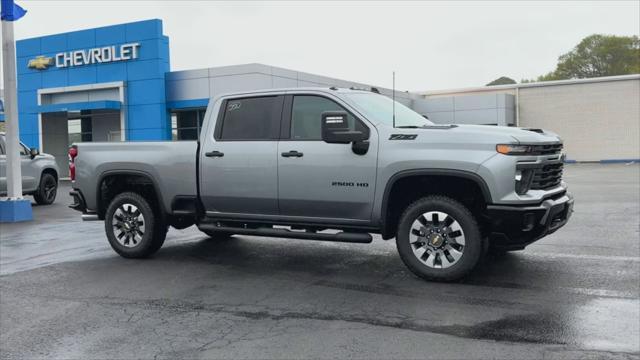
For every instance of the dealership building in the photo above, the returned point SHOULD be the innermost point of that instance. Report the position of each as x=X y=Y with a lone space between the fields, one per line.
x=115 y=83
x=598 y=118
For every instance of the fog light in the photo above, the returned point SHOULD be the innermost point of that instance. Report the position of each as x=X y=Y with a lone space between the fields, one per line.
x=523 y=179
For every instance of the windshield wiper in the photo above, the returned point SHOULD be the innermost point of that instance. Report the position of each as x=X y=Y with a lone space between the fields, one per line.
x=410 y=127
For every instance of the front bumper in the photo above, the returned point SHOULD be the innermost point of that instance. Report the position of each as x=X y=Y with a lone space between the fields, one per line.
x=514 y=227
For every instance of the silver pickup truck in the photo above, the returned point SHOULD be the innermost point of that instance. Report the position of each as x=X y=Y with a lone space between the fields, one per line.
x=335 y=165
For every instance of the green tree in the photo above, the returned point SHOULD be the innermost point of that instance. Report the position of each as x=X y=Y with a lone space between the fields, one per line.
x=503 y=80
x=598 y=55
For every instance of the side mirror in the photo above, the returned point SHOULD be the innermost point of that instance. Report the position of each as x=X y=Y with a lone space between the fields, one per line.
x=335 y=129
x=34 y=152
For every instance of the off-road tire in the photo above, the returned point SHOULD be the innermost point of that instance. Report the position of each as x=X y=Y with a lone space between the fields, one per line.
x=155 y=228
x=473 y=248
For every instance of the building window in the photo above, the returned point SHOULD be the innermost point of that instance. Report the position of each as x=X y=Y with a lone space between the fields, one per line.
x=79 y=130
x=186 y=124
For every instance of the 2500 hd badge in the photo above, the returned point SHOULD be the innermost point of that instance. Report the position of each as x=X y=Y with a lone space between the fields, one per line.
x=349 y=184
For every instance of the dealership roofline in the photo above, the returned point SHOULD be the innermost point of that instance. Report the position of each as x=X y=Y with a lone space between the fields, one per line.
x=87 y=28
x=527 y=85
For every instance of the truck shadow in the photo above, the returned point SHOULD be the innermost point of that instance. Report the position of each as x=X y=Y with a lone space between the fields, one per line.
x=518 y=298
x=373 y=263
x=510 y=285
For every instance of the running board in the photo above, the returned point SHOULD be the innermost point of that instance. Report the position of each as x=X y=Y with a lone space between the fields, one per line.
x=360 y=238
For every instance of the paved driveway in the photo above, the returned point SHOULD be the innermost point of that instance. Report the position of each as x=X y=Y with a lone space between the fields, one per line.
x=575 y=294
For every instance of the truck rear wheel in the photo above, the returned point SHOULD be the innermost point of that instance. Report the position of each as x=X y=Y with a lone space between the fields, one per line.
x=439 y=239
x=133 y=228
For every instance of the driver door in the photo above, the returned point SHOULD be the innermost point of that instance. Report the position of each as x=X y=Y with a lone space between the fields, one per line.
x=321 y=180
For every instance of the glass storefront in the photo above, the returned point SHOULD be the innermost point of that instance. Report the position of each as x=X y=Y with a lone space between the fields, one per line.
x=186 y=124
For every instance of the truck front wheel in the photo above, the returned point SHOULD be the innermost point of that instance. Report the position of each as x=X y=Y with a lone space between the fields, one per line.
x=439 y=239
x=133 y=228
x=46 y=192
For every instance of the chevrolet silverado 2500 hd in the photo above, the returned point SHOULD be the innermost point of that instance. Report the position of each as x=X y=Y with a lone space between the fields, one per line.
x=331 y=164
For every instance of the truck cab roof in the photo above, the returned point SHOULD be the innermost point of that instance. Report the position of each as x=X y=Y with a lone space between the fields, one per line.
x=328 y=90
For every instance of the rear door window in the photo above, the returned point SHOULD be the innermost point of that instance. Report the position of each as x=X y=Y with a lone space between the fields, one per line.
x=253 y=118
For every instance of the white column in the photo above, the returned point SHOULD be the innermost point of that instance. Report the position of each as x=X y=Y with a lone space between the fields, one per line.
x=14 y=172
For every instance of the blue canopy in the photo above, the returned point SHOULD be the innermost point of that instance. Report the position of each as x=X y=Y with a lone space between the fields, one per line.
x=88 y=105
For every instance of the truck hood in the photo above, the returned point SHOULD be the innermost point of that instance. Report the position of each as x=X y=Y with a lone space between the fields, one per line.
x=521 y=135
x=46 y=156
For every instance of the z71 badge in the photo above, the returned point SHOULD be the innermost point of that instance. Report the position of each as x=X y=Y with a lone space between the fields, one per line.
x=403 y=136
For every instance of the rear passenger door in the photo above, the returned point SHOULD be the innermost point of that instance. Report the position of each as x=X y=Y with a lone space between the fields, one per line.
x=238 y=161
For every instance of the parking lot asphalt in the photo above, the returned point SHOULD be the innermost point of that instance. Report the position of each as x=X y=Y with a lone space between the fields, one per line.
x=575 y=294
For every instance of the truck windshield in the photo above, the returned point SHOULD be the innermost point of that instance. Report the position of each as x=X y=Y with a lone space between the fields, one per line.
x=380 y=108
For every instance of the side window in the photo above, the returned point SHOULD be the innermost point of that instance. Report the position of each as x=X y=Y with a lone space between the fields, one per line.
x=23 y=150
x=306 y=115
x=255 y=118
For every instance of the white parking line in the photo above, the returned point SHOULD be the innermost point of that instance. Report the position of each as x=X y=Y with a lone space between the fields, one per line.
x=584 y=257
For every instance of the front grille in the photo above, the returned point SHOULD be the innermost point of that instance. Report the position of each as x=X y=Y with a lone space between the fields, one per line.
x=547 y=177
x=548 y=149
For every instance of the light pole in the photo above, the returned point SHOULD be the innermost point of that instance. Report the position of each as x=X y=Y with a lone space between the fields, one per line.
x=15 y=207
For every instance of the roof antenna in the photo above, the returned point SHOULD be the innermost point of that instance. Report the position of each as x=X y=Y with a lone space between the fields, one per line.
x=393 y=97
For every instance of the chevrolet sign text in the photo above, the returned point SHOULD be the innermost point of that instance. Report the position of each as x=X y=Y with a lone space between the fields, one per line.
x=105 y=54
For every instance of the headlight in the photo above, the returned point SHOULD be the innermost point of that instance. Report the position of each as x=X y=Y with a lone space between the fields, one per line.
x=508 y=149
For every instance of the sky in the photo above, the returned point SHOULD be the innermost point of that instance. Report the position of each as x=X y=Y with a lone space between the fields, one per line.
x=430 y=45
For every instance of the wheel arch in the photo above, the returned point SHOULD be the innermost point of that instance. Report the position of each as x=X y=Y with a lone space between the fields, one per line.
x=388 y=224
x=52 y=171
x=127 y=175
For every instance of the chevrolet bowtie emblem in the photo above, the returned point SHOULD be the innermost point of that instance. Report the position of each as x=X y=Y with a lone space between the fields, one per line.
x=40 y=62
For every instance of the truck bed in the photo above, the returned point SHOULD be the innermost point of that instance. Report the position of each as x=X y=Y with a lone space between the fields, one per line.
x=171 y=165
